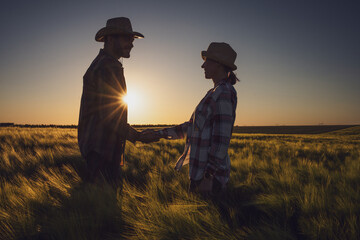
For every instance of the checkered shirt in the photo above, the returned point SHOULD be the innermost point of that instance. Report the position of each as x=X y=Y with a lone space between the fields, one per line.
x=208 y=134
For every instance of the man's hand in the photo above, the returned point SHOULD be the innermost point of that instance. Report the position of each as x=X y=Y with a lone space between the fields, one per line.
x=149 y=136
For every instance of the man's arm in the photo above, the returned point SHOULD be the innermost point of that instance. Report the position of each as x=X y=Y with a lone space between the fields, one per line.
x=149 y=135
x=112 y=109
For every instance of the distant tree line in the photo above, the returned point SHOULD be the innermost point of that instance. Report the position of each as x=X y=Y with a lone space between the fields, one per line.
x=37 y=125
x=6 y=124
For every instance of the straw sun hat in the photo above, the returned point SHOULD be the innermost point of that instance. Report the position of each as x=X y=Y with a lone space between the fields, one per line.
x=221 y=53
x=119 y=25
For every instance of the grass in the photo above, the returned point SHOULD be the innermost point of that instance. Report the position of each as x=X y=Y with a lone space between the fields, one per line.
x=281 y=187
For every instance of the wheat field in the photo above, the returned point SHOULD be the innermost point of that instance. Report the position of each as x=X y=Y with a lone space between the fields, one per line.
x=281 y=187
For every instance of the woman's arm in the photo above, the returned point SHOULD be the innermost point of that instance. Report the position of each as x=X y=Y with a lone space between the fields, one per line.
x=176 y=132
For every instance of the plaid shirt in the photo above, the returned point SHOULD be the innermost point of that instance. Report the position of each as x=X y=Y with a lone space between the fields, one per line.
x=103 y=126
x=208 y=134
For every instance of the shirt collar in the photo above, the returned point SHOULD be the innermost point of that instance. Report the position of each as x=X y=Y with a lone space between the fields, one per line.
x=225 y=80
x=103 y=52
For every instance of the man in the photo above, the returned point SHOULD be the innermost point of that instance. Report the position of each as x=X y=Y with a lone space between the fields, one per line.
x=103 y=127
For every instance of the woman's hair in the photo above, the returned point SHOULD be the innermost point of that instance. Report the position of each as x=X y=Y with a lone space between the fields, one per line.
x=232 y=76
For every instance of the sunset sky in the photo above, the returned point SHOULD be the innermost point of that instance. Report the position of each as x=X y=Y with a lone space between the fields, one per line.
x=298 y=61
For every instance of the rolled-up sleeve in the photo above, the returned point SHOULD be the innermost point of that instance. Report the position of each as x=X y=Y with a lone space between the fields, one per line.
x=176 y=132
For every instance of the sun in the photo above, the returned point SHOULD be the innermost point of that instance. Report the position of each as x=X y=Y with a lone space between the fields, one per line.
x=136 y=104
x=130 y=99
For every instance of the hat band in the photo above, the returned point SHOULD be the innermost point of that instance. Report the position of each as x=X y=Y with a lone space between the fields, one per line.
x=224 y=62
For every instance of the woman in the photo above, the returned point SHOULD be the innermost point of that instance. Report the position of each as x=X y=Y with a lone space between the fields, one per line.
x=209 y=129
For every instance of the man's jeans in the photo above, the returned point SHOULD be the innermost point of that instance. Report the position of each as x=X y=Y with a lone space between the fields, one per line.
x=98 y=168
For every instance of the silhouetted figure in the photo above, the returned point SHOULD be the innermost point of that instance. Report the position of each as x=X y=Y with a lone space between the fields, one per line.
x=103 y=127
x=209 y=129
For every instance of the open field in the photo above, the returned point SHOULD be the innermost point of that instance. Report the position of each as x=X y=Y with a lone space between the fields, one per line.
x=281 y=187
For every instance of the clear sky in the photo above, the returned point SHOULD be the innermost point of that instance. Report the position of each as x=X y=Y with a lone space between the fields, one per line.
x=298 y=61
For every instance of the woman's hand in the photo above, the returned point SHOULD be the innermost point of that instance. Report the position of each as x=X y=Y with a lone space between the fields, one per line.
x=205 y=187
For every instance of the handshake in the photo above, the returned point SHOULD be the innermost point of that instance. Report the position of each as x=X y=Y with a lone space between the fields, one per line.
x=149 y=136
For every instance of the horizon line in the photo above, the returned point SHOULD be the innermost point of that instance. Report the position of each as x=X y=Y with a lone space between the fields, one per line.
x=163 y=124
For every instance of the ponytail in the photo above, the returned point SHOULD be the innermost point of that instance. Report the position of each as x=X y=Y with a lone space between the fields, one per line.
x=232 y=76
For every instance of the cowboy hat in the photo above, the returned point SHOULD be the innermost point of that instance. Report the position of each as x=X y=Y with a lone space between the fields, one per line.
x=221 y=53
x=119 y=25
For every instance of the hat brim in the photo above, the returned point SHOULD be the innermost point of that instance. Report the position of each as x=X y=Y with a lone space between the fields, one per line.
x=204 y=55
x=105 y=31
